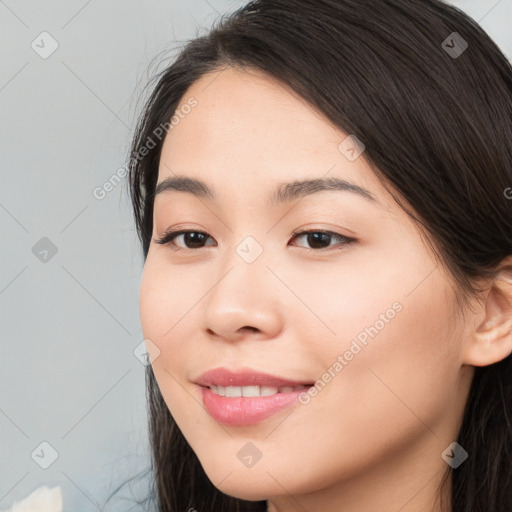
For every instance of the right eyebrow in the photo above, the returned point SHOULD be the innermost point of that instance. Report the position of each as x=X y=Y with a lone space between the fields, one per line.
x=185 y=184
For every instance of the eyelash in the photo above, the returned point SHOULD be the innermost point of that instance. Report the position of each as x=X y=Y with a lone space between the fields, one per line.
x=168 y=238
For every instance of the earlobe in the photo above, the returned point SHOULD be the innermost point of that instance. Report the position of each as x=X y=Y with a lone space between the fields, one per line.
x=491 y=340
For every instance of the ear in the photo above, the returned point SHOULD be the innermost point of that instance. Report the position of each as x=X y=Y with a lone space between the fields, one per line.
x=491 y=338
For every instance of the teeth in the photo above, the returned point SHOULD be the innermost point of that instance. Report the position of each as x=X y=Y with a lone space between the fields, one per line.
x=232 y=391
x=251 y=391
x=268 y=390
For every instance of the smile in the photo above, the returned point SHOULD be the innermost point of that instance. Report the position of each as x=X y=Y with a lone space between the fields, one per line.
x=252 y=391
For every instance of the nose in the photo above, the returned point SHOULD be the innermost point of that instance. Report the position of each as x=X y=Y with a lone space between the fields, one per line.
x=244 y=301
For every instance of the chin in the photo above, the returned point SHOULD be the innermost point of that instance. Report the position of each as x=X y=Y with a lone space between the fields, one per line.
x=246 y=485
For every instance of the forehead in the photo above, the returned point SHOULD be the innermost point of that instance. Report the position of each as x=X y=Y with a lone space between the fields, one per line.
x=250 y=110
x=248 y=131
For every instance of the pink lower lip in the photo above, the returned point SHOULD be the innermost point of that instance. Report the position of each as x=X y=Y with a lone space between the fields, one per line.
x=246 y=410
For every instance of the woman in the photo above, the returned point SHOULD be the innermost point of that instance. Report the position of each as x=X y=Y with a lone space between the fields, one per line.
x=322 y=189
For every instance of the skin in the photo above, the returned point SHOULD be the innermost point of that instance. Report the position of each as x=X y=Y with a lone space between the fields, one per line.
x=372 y=438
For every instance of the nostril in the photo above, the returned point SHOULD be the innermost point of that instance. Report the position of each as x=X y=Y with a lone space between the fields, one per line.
x=253 y=329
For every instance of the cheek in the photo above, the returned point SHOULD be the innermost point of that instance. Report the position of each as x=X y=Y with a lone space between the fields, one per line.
x=165 y=295
x=400 y=364
x=163 y=307
x=397 y=387
x=169 y=305
x=387 y=347
x=152 y=300
x=160 y=309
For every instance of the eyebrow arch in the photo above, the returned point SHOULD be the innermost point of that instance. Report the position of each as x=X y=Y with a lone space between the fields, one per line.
x=285 y=192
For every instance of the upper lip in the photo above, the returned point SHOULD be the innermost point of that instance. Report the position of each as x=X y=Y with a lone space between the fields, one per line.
x=247 y=377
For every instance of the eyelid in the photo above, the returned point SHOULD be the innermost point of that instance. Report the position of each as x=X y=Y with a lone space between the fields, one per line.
x=171 y=234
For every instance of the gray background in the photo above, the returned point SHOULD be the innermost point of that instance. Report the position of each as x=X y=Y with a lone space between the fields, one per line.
x=70 y=325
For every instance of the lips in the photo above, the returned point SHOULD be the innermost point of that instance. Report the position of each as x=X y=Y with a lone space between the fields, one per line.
x=242 y=378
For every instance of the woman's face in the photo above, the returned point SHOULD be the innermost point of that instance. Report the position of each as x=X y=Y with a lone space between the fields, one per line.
x=364 y=310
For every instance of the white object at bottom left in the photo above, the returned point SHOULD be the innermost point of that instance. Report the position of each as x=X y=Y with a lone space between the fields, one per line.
x=43 y=499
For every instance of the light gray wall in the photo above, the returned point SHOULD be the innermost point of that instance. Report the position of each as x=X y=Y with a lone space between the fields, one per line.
x=68 y=374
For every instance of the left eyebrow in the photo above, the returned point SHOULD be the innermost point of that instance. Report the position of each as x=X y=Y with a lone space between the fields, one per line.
x=285 y=192
x=290 y=191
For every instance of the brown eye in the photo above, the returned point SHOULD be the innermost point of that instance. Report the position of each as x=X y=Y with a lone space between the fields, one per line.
x=191 y=239
x=321 y=239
